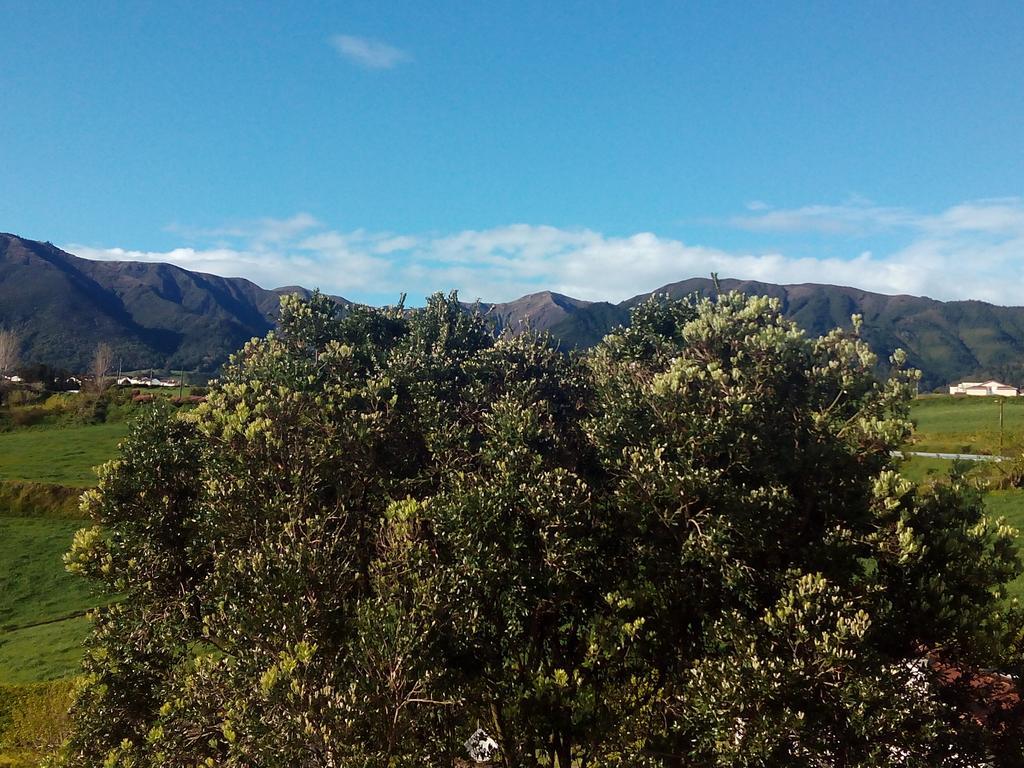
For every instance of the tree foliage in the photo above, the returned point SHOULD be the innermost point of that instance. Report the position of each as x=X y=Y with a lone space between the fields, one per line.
x=688 y=547
x=10 y=347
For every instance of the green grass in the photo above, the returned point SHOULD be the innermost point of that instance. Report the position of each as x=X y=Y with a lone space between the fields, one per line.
x=43 y=471
x=43 y=652
x=21 y=498
x=59 y=456
x=970 y=425
x=967 y=424
x=1009 y=504
x=34 y=586
x=920 y=470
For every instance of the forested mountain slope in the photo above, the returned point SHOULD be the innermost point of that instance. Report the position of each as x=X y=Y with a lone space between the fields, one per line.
x=159 y=315
x=153 y=315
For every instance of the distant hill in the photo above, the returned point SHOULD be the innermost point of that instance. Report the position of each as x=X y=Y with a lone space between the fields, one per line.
x=576 y=323
x=153 y=315
x=161 y=316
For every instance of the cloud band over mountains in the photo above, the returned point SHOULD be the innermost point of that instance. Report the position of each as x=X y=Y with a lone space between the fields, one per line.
x=974 y=250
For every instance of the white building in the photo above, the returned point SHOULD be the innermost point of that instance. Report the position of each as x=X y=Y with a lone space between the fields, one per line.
x=126 y=381
x=983 y=389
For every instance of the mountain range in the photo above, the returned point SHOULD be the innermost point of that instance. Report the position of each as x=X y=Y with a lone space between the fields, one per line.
x=162 y=316
x=153 y=315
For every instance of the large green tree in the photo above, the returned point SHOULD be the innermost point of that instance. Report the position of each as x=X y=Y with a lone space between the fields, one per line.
x=688 y=547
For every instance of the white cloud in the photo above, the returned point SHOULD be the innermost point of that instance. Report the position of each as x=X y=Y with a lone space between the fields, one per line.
x=995 y=216
x=855 y=217
x=998 y=216
x=258 y=230
x=371 y=54
x=972 y=250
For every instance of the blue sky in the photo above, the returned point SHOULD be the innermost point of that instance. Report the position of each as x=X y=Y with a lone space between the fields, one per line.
x=599 y=149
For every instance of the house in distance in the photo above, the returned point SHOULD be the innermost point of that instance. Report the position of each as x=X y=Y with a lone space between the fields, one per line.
x=126 y=381
x=983 y=389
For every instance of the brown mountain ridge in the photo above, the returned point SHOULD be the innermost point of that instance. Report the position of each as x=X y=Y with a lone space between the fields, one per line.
x=162 y=316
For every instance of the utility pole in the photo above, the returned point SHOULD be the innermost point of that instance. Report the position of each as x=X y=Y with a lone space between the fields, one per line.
x=181 y=385
x=1001 y=401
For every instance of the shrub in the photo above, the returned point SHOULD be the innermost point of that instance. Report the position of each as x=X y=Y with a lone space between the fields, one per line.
x=34 y=719
x=687 y=547
x=22 y=498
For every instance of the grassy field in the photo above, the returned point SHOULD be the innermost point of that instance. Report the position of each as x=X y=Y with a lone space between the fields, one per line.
x=34 y=586
x=1009 y=504
x=41 y=605
x=43 y=652
x=42 y=471
x=920 y=470
x=967 y=424
x=971 y=425
x=46 y=459
x=60 y=456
